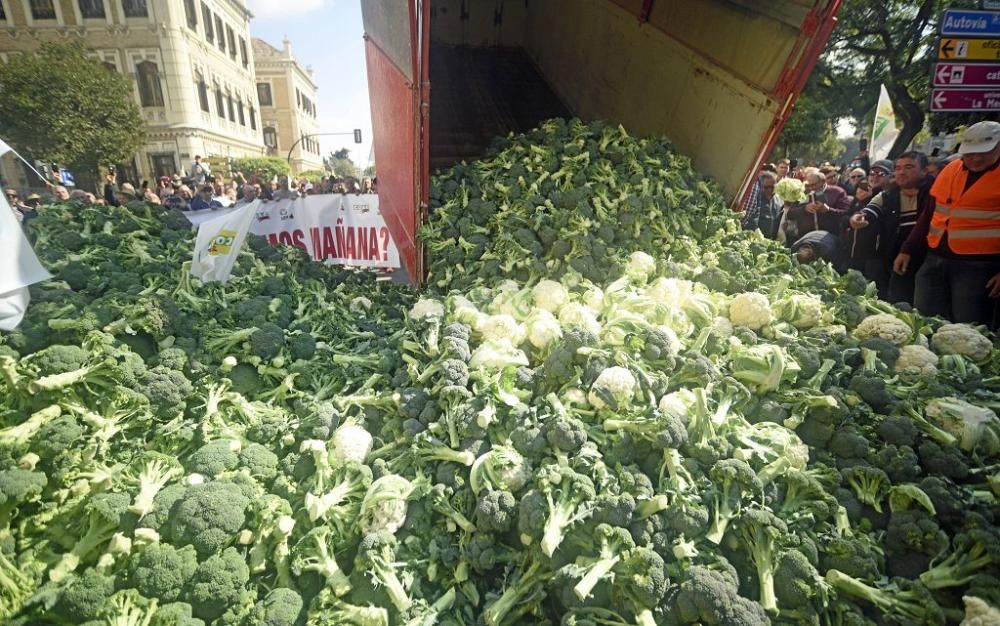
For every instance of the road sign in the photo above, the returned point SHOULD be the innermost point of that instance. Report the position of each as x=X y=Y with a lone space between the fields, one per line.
x=967 y=75
x=969 y=49
x=970 y=23
x=956 y=100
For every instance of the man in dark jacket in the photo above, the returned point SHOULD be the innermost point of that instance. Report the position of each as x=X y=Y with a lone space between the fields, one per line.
x=763 y=211
x=818 y=244
x=826 y=209
x=888 y=220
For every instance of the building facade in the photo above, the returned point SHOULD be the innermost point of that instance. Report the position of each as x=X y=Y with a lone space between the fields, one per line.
x=190 y=64
x=287 y=96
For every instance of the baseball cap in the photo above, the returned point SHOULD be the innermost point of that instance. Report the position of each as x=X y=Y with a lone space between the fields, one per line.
x=885 y=165
x=980 y=137
x=127 y=190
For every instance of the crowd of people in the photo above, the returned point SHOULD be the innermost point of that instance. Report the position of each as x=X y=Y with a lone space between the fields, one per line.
x=198 y=191
x=925 y=231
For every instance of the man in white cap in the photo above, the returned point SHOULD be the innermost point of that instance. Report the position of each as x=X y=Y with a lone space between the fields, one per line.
x=960 y=279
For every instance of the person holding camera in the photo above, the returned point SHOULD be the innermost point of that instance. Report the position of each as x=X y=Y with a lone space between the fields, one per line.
x=826 y=208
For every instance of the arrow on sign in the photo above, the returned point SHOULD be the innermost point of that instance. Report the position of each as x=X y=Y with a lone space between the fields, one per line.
x=947 y=48
x=943 y=72
x=939 y=100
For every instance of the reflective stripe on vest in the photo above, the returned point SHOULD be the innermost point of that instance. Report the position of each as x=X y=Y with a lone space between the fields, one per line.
x=969 y=231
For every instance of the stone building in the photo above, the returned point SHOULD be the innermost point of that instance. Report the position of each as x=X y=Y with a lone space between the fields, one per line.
x=190 y=64
x=287 y=96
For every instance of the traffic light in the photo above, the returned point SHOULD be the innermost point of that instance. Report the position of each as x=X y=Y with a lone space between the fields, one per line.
x=357 y=135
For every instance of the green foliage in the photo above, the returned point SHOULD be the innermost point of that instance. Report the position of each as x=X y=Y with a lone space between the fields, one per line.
x=61 y=105
x=265 y=168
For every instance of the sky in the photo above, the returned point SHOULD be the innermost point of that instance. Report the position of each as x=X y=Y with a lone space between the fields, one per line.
x=327 y=35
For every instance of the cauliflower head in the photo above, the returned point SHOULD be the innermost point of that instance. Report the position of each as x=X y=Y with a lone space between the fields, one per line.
x=550 y=296
x=614 y=385
x=962 y=339
x=802 y=311
x=501 y=327
x=425 y=308
x=543 y=328
x=640 y=265
x=886 y=326
x=979 y=613
x=975 y=427
x=575 y=315
x=916 y=361
x=750 y=309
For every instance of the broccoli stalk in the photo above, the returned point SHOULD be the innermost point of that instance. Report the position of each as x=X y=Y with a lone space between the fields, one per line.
x=974 y=551
x=429 y=616
x=15 y=587
x=376 y=556
x=522 y=589
x=225 y=343
x=104 y=511
x=314 y=554
x=155 y=474
x=760 y=531
x=17 y=436
x=441 y=504
x=912 y=601
x=733 y=478
x=570 y=497
x=870 y=484
x=936 y=433
x=612 y=542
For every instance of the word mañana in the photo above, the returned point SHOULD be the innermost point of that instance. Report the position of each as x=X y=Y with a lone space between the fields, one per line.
x=356 y=243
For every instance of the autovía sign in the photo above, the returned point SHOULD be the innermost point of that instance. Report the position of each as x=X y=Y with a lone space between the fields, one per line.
x=960 y=23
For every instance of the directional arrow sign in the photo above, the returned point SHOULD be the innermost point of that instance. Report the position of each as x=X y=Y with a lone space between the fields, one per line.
x=955 y=100
x=967 y=75
x=969 y=49
x=970 y=23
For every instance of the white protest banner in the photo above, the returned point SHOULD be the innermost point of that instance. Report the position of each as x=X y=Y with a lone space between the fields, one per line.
x=219 y=241
x=333 y=228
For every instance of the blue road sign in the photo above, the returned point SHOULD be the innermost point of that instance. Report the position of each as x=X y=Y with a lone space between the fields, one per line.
x=957 y=22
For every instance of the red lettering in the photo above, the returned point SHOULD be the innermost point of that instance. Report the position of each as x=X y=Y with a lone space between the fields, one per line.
x=341 y=242
x=350 y=251
x=284 y=238
x=374 y=249
x=329 y=245
x=298 y=239
x=272 y=239
x=317 y=243
x=362 y=243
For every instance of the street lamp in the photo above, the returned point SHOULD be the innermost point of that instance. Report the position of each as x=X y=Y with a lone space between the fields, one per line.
x=356 y=132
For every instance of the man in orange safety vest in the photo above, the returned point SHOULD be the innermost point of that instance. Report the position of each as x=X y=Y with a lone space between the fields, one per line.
x=960 y=277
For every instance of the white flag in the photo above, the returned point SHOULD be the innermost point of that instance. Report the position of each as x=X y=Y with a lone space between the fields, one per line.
x=219 y=242
x=4 y=148
x=884 y=132
x=21 y=268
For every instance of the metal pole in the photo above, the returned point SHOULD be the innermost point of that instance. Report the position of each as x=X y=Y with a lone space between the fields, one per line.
x=299 y=140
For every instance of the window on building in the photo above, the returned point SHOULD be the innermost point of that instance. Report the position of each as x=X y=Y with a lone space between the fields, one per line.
x=220 y=104
x=150 y=90
x=206 y=19
x=232 y=42
x=135 y=8
x=191 y=12
x=298 y=97
x=163 y=164
x=232 y=108
x=108 y=65
x=203 y=95
x=221 y=32
x=271 y=137
x=3 y=13
x=243 y=53
x=92 y=9
x=239 y=109
x=264 y=94
x=253 y=118
x=43 y=10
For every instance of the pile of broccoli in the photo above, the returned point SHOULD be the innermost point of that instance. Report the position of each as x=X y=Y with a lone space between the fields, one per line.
x=660 y=420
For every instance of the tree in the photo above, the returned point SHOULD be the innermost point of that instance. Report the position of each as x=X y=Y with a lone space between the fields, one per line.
x=62 y=106
x=264 y=168
x=340 y=163
x=891 y=42
x=811 y=128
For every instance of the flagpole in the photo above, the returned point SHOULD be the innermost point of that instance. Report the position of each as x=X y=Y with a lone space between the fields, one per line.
x=4 y=144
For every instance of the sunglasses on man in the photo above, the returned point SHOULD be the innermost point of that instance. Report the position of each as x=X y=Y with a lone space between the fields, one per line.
x=879 y=173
